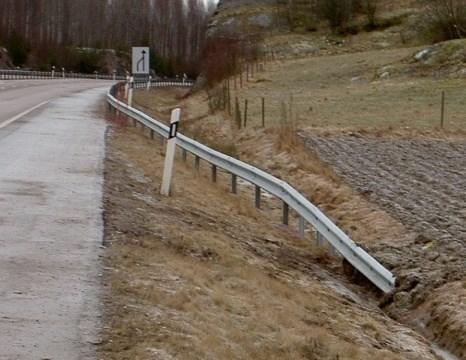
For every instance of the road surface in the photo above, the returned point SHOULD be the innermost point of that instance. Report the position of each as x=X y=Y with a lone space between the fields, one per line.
x=50 y=217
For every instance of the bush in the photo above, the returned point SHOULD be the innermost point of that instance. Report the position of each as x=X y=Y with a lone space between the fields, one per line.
x=18 y=49
x=369 y=8
x=338 y=13
x=445 y=20
x=225 y=56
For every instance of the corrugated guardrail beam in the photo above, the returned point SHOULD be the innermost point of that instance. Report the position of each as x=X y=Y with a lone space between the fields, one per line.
x=355 y=255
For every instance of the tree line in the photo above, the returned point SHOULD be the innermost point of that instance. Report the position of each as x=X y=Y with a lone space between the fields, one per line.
x=44 y=33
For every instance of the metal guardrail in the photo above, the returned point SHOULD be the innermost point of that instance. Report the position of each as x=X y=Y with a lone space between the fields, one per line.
x=355 y=255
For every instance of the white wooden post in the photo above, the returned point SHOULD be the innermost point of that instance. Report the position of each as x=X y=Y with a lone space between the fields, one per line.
x=131 y=87
x=170 y=153
x=63 y=72
x=148 y=82
x=53 y=72
x=126 y=86
x=114 y=75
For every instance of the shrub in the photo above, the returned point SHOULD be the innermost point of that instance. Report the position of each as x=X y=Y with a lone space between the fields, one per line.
x=18 y=49
x=369 y=8
x=338 y=13
x=445 y=20
x=224 y=56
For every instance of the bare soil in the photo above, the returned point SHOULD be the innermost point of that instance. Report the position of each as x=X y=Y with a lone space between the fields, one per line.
x=204 y=275
x=420 y=182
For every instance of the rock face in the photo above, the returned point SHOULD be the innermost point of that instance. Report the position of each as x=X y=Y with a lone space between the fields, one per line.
x=243 y=17
x=5 y=61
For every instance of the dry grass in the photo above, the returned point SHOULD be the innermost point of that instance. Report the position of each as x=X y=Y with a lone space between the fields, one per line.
x=344 y=91
x=195 y=277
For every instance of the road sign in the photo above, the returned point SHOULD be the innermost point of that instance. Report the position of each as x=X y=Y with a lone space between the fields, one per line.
x=141 y=61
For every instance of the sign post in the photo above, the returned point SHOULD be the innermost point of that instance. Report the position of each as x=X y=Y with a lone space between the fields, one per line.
x=170 y=153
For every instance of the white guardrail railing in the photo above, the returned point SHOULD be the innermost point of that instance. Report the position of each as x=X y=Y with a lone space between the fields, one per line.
x=29 y=74
x=355 y=255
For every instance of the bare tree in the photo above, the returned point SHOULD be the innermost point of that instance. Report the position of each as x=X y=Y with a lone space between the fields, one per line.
x=173 y=28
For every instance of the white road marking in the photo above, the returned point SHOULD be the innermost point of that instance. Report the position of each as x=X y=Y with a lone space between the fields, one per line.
x=24 y=113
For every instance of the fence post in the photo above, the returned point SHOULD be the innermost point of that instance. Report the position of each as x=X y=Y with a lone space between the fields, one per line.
x=229 y=97
x=53 y=72
x=63 y=72
x=237 y=113
x=442 y=115
x=263 y=112
x=170 y=154
x=245 y=112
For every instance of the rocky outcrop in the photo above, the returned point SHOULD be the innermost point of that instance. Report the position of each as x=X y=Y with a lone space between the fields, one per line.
x=245 y=17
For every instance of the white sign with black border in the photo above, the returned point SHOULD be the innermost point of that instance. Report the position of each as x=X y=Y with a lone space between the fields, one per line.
x=141 y=61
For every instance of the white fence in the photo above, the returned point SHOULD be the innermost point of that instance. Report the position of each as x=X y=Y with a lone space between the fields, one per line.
x=27 y=74
x=355 y=255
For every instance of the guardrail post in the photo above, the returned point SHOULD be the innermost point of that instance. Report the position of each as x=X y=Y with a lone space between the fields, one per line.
x=184 y=154
x=197 y=163
x=302 y=227
x=126 y=87
x=214 y=173
x=319 y=238
x=152 y=134
x=131 y=88
x=258 y=197
x=286 y=213
x=234 y=184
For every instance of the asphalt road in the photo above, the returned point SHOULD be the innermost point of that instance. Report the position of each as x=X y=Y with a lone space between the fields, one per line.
x=51 y=225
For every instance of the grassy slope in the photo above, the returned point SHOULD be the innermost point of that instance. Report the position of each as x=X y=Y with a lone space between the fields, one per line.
x=202 y=275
